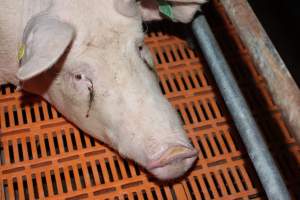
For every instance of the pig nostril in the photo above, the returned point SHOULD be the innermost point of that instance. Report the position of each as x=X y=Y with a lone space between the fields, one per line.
x=173 y=156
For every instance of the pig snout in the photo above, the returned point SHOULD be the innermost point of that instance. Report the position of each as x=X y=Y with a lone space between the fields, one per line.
x=173 y=163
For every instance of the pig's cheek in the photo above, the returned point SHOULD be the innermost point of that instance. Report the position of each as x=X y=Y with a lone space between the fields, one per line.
x=72 y=95
x=80 y=87
x=107 y=140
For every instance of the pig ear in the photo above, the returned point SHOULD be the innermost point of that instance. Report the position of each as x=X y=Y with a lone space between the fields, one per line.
x=128 y=8
x=45 y=39
x=150 y=10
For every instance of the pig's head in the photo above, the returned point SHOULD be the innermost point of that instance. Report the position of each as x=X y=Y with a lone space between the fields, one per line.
x=90 y=62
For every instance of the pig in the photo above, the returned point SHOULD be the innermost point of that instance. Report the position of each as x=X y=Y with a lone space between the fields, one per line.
x=183 y=10
x=88 y=59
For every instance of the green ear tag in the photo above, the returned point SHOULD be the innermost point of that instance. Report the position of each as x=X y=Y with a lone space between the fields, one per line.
x=21 y=52
x=166 y=9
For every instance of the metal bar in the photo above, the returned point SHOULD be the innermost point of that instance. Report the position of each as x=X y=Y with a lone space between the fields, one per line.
x=257 y=149
x=281 y=84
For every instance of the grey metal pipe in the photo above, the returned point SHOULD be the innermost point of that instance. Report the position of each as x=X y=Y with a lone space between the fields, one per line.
x=268 y=62
x=257 y=149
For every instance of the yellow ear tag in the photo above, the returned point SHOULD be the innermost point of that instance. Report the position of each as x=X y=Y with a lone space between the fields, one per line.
x=21 y=52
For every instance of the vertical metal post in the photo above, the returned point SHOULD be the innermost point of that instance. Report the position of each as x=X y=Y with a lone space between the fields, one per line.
x=257 y=149
x=267 y=61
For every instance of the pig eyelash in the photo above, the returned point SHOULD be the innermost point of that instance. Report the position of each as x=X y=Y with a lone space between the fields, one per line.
x=79 y=77
x=140 y=47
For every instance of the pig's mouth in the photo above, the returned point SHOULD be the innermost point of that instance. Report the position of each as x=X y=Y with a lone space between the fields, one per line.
x=173 y=162
x=173 y=155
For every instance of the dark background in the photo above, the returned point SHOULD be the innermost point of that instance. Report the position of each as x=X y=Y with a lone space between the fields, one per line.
x=281 y=20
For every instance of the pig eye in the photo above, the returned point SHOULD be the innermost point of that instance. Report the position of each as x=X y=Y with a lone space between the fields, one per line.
x=140 y=50
x=90 y=87
x=78 y=76
x=140 y=47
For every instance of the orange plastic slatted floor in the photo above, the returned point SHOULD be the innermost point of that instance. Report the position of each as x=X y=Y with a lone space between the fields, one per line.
x=45 y=157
